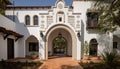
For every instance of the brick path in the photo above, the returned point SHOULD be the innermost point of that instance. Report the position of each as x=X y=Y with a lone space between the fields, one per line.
x=60 y=63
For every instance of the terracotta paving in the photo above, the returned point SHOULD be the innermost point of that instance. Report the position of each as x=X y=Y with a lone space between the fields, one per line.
x=60 y=63
x=92 y=59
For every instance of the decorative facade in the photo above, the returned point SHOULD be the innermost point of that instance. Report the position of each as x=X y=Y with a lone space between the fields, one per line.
x=55 y=30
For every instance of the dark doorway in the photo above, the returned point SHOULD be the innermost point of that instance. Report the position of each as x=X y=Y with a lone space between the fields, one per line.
x=59 y=45
x=10 y=48
x=93 y=47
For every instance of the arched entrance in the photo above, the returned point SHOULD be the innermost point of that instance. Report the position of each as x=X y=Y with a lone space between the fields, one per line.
x=59 y=45
x=32 y=46
x=93 y=47
x=68 y=36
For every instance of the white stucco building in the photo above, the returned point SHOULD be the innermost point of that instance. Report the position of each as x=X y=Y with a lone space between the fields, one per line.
x=53 y=30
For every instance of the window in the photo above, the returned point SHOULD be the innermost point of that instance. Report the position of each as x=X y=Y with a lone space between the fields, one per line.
x=33 y=46
x=92 y=19
x=27 y=20
x=114 y=45
x=35 y=18
x=60 y=19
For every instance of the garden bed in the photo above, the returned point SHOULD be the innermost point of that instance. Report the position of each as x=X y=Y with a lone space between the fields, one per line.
x=19 y=65
x=92 y=65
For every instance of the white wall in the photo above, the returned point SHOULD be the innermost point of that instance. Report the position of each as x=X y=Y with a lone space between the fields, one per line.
x=104 y=40
x=116 y=38
x=3 y=47
x=79 y=10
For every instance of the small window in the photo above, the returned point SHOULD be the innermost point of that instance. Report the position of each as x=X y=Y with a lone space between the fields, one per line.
x=60 y=19
x=33 y=47
x=27 y=20
x=114 y=45
x=35 y=20
x=92 y=19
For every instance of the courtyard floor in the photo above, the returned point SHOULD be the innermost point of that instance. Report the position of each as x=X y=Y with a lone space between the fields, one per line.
x=60 y=63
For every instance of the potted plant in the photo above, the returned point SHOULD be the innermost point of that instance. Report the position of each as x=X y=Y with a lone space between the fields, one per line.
x=33 y=55
x=86 y=50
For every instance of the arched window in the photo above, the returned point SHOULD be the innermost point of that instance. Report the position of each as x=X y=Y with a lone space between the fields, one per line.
x=27 y=20
x=93 y=47
x=35 y=20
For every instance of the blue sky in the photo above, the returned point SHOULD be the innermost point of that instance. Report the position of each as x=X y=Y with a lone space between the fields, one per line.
x=38 y=2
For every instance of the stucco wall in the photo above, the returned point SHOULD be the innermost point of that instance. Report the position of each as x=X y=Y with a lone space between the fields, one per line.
x=104 y=40
x=30 y=39
x=3 y=47
x=79 y=12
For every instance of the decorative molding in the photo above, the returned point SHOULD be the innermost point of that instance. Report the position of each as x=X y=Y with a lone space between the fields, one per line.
x=43 y=13
x=49 y=20
x=71 y=20
x=42 y=26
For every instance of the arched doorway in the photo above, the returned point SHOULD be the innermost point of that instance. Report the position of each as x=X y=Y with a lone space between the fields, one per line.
x=69 y=36
x=93 y=47
x=32 y=46
x=59 y=45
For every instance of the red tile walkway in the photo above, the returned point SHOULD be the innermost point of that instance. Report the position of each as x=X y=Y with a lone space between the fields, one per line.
x=60 y=63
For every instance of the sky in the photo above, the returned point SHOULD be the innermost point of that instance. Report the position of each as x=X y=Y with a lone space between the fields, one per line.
x=38 y=2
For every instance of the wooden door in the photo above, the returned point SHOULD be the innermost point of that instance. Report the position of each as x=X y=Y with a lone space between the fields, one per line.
x=10 y=48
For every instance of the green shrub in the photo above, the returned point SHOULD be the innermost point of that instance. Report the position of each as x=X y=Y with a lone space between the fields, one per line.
x=19 y=65
x=109 y=62
x=110 y=57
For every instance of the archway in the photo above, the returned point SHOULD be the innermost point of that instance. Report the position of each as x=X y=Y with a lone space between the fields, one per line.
x=59 y=45
x=32 y=46
x=93 y=47
x=68 y=34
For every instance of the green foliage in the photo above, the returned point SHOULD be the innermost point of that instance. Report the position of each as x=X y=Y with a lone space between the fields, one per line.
x=60 y=42
x=86 y=48
x=108 y=15
x=3 y=4
x=4 y=1
x=99 y=66
x=110 y=61
x=2 y=11
x=110 y=58
x=19 y=65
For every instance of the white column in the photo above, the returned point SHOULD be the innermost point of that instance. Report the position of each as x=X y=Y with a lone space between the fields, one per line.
x=78 y=49
x=41 y=49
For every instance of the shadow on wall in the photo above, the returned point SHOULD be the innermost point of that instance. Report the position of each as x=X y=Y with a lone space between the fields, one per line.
x=21 y=29
x=104 y=43
x=82 y=38
x=14 y=18
x=92 y=31
x=116 y=40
